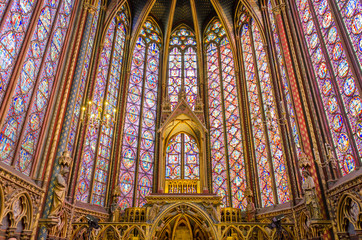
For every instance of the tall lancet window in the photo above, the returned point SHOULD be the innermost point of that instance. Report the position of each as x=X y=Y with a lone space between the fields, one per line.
x=83 y=80
x=13 y=32
x=284 y=77
x=101 y=112
x=182 y=66
x=182 y=158
x=228 y=168
x=351 y=12
x=270 y=168
x=138 y=146
x=339 y=90
x=30 y=92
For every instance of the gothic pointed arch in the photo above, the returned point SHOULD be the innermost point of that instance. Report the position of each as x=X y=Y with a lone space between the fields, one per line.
x=227 y=154
x=182 y=66
x=139 y=129
x=334 y=73
x=99 y=114
x=267 y=144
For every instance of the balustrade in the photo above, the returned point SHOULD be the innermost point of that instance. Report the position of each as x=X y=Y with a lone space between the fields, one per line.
x=185 y=186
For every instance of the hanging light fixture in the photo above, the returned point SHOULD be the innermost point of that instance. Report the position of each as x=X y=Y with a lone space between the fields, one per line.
x=96 y=117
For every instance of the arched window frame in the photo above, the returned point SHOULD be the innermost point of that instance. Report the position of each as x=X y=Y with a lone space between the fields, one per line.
x=191 y=99
x=228 y=168
x=330 y=79
x=104 y=103
x=84 y=83
x=34 y=80
x=183 y=155
x=133 y=170
x=264 y=122
x=350 y=13
x=288 y=110
x=9 y=30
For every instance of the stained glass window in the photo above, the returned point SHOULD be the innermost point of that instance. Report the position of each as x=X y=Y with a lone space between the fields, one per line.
x=83 y=79
x=285 y=83
x=3 y=4
x=99 y=134
x=12 y=33
x=337 y=85
x=182 y=158
x=138 y=147
x=266 y=134
x=225 y=129
x=351 y=12
x=182 y=66
x=35 y=84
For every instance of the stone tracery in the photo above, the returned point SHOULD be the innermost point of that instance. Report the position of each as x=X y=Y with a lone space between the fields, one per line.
x=181 y=118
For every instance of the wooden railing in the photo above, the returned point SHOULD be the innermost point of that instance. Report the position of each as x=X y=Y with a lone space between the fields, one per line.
x=188 y=186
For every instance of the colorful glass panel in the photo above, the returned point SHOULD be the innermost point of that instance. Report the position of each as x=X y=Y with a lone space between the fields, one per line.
x=182 y=66
x=342 y=72
x=28 y=87
x=148 y=131
x=83 y=79
x=191 y=158
x=225 y=126
x=286 y=88
x=218 y=152
x=351 y=12
x=92 y=131
x=275 y=142
x=109 y=117
x=174 y=75
x=182 y=158
x=259 y=135
x=12 y=33
x=173 y=158
x=139 y=126
x=190 y=76
x=3 y=5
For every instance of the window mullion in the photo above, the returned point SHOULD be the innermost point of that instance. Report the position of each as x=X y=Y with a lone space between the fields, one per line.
x=35 y=87
x=5 y=13
x=140 y=125
x=182 y=74
x=183 y=156
x=335 y=86
x=262 y=113
x=229 y=195
x=345 y=39
x=102 y=116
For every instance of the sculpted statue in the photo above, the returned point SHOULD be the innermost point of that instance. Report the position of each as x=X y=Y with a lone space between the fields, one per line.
x=212 y=211
x=58 y=193
x=155 y=209
x=115 y=209
x=310 y=197
x=250 y=207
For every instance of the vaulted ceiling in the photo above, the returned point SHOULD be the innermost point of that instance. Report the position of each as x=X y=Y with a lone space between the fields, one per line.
x=205 y=10
x=194 y=13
